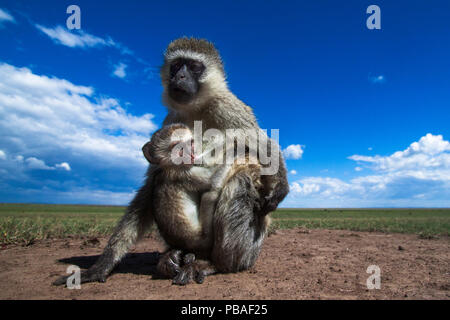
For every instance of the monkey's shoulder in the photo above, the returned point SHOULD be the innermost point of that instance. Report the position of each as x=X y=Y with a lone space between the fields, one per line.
x=229 y=112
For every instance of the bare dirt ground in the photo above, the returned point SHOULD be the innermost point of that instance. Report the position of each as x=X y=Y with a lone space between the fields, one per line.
x=294 y=264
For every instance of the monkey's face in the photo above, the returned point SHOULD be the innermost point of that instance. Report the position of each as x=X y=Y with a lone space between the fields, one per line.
x=170 y=146
x=192 y=75
x=184 y=79
x=182 y=152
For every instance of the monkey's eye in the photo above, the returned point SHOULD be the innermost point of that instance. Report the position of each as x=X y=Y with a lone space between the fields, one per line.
x=173 y=144
x=196 y=67
x=174 y=67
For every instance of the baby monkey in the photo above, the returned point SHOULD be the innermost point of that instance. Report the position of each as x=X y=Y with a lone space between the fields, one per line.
x=185 y=200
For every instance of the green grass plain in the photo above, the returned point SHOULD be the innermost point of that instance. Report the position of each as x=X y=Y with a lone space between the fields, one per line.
x=26 y=223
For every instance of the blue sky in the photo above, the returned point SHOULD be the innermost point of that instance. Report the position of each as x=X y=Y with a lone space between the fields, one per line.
x=363 y=114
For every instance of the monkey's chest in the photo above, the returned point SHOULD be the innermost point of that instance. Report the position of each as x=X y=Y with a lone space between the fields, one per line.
x=178 y=221
x=189 y=216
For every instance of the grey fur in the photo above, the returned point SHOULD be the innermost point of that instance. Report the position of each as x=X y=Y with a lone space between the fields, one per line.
x=176 y=183
x=240 y=219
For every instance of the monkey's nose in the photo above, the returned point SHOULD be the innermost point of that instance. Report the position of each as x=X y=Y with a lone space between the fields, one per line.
x=181 y=74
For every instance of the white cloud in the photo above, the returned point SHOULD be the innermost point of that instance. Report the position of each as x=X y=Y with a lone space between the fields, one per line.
x=358 y=169
x=80 y=38
x=2 y=155
x=38 y=164
x=47 y=123
x=327 y=187
x=63 y=165
x=429 y=152
x=416 y=176
x=294 y=172
x=119 y=70
x=294 y=151
x=5 y=16
x=34 y=163
x=377 y=79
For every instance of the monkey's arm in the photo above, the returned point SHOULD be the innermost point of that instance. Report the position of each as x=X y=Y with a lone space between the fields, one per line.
x=276 y=185
x=210 y=197
x=274 y=174
x=220 y=175
x=130 y=228
x=206 y=213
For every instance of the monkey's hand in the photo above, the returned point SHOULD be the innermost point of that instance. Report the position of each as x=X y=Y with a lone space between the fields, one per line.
x=269 y=202
x=266 y=205
x=276 y=187
x=189 y=271
x=90 y=275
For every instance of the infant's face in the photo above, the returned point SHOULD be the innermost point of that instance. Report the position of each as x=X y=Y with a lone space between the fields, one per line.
x=181 y=147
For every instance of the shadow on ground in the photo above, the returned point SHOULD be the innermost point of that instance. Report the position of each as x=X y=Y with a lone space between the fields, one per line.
x=135 y=263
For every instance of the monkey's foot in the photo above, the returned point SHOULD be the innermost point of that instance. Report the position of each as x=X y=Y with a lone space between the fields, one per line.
x=193 y=270
x=90 y=275
x=169 y=264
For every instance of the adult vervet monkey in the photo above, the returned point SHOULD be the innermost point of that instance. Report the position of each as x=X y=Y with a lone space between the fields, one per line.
x=195 y=89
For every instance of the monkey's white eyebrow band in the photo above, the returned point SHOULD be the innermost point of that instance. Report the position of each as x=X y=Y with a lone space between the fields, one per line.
x=187 y=55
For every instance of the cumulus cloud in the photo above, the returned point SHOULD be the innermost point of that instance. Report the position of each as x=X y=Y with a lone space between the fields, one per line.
x=34 y=163
x=16 y=163
x=47 y=123
x=377 y=79
x=63 y=165
x=5 y=16
x=293 y=172
x=38 y=164
x=416 y=176
x=327 y=187
x=431 y=151
x=294 y=151
x=119 y=70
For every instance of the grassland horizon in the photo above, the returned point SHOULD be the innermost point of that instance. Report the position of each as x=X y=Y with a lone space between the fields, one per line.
x=23 y=223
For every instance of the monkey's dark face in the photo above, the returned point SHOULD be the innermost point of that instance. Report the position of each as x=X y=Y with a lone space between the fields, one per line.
x=184 y=79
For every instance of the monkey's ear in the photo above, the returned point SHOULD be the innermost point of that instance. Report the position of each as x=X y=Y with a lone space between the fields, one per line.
x=146 y=151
